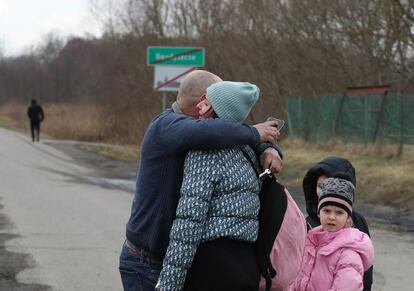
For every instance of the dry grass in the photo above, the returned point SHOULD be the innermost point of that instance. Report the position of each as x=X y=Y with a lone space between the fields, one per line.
x=382 y=176
x=7 y=122
x=75 y=122
x=121 y=125
x=123 y=153
x=13 y=115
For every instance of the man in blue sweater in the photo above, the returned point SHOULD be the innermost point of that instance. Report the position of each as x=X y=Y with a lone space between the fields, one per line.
x=168 y=138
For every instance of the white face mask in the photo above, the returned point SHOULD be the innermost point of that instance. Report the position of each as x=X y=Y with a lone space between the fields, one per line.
x=205 y=109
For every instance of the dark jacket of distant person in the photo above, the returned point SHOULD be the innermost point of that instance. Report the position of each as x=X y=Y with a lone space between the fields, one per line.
x=329 y=167
x=35 y=112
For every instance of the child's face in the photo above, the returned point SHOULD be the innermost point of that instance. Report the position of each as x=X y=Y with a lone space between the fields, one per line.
x=333 y=218
x=318 y=184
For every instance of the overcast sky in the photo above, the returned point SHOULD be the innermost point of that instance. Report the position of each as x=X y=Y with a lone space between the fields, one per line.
x=23 y=23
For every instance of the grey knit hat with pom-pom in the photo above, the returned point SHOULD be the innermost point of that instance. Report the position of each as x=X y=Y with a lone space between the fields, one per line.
x=337 y=192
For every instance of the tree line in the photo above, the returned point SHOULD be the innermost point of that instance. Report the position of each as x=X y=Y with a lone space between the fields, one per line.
x=286 y=47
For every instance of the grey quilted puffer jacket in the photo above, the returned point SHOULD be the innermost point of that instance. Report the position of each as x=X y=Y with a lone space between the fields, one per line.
x=219 y=198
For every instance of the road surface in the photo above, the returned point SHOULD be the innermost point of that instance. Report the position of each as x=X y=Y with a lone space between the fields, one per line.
x=62 y=226
x=73 y=231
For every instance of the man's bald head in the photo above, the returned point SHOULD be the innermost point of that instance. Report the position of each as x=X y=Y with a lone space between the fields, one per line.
x=193 y=86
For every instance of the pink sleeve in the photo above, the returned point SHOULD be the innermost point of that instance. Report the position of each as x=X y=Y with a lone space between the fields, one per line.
x=349 y=272
x=292 y=287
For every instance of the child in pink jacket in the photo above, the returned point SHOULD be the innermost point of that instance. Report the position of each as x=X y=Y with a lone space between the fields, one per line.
x=336 y=254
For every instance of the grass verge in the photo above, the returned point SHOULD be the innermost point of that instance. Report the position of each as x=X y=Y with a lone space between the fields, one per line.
x=122 y=153
x=7 y=122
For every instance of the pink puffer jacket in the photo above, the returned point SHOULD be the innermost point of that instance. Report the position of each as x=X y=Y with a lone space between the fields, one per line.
x=287 y=251
x=334 y=260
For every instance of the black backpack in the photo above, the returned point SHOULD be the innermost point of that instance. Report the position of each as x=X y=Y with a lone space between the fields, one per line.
x=273 y=204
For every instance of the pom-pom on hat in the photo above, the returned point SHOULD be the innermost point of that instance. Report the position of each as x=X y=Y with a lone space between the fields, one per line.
x=232 y=100
x=337 y=192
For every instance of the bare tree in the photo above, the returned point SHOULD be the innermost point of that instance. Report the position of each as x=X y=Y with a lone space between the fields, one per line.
x=287 y=47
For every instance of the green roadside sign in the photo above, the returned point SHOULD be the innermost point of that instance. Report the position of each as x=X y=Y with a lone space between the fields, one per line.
x=175 y=56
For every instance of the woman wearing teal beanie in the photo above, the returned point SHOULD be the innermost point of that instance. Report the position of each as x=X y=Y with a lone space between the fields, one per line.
x=211 y=240
x=229 y=100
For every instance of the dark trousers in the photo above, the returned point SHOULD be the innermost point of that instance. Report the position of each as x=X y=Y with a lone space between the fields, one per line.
x=35 y=130
x=223 y=265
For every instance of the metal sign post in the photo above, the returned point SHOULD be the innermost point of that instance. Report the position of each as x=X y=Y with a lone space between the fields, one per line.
x=164 y=101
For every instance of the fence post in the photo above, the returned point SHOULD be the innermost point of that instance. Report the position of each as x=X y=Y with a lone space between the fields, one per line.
x=380 y=114
x=401 y=146
x=338 y=115
x=291 y=132
x=301 y=118
x=365 y=121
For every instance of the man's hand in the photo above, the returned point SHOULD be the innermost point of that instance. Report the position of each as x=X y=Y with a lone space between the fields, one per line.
x=270 y=159
x=268 y=131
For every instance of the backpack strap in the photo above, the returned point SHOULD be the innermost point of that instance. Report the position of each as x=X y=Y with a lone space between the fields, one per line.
x=250 y=156
x=273 y=205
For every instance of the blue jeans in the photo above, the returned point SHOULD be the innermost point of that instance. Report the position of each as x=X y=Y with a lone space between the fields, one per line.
x=139 y=270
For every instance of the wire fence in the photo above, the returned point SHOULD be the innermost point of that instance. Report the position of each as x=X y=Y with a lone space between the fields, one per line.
x=356 y=118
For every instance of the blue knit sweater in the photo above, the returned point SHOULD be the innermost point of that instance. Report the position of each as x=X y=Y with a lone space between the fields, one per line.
x=166 y=142
x=219 y=198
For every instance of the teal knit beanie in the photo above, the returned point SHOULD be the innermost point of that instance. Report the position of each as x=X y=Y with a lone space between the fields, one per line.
x=232 y=100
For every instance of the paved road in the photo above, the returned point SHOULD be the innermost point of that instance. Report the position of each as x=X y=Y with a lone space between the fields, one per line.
x=73 y=231
x=62 y=230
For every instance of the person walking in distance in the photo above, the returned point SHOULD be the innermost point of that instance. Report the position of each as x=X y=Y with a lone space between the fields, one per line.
x=36 y=116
